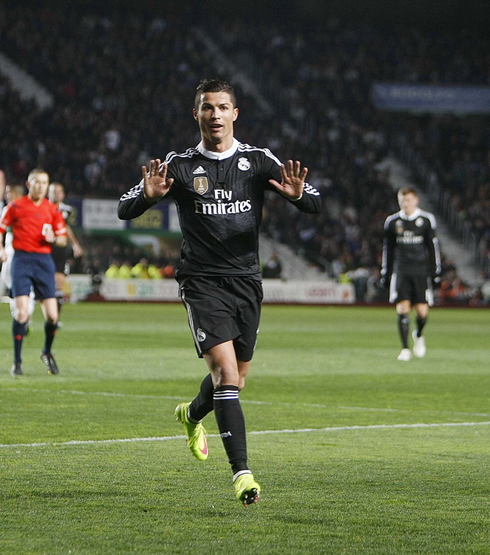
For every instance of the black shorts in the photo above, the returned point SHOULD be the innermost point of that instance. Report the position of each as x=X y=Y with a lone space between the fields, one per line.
x=60 y=256
x=223 y=309
x=416 y=289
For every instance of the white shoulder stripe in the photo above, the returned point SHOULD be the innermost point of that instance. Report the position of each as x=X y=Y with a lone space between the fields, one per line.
x=189 y=153
x=389 y=219
x=430 y=217
x=242 y=147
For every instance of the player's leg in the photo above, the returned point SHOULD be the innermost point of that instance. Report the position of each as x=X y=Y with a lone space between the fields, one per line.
x=421 y=311
x=225 y=370
x=422 y=299
x=210 y=316
x=21 y=286
x=59 y=279
x=44 y=288
x=400 y=294
x=403 y=311
x=50 y=312
x=21 y=314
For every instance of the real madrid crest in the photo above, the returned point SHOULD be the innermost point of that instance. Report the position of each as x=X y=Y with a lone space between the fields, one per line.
x=201 y=185
x=419 y=222
x=243 y=164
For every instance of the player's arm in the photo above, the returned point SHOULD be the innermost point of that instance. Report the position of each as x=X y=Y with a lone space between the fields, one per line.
x=434 y=253
x=388 y=255
x=153 y=187
x=77 y=248
x=292 y=185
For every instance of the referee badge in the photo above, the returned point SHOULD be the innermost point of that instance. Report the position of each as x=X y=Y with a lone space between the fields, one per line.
x=201 y=185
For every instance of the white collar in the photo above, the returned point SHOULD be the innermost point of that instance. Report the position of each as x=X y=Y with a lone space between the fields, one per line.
x=218 y=155
x=412 y=217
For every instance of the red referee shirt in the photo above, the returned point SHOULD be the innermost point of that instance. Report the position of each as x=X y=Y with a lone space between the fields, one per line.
x=30 y=222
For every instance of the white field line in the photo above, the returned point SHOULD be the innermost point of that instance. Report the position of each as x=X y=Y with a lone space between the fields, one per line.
x=259 y=432
x=244 y=401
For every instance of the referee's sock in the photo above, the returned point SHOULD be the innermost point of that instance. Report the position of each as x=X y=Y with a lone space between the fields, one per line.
x=203 y=403
x=231 y=424
x=18 y=332
x=49 y=333
x=420 y=325
x=403 y=329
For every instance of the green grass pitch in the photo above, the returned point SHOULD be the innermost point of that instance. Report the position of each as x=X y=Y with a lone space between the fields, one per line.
x=355 y=451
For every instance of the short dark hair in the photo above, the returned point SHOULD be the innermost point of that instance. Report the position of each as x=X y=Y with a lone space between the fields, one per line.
x=214 y=85
x=407 y=191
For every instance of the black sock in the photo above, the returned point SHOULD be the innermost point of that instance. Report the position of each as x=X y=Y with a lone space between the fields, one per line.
x=403 y=329
x=18 y=333
x=231 y=424
x=49 y=333
x=420 y=325
x=203 y=403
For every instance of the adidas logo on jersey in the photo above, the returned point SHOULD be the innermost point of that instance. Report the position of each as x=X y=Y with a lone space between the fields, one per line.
x=199 y=170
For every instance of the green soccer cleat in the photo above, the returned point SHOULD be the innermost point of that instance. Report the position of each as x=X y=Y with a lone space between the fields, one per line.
x=247 y=490
x=195 y=432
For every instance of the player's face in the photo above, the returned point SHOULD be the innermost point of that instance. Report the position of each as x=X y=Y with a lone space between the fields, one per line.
x=38 y=186
x=408 y=203
x=56 y=194
x=215 y=116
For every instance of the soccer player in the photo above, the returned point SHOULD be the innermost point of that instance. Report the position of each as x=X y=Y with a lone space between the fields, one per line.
x=411 y=266
x=13 y=191
x=36 y=225
x=56 y=195
x=219 y=188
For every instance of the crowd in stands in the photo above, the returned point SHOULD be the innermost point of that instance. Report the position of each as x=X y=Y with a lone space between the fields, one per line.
x=123 y=83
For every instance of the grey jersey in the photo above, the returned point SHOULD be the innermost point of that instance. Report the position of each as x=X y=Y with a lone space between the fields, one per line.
x=219 y=198
x=410 y=245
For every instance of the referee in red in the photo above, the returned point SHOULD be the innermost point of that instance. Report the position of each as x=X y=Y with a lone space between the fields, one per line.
x=36 y=224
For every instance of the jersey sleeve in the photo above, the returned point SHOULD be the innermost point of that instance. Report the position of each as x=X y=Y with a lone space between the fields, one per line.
x=133 y=203
x=389 y=242
x=433 y=249
x=310 y=201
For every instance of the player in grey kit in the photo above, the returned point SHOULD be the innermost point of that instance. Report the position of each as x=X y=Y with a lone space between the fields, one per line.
x=219 y=188
x=411 y=265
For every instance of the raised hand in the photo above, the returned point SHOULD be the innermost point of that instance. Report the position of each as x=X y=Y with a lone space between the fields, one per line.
x=156 y=184
x=292 y=180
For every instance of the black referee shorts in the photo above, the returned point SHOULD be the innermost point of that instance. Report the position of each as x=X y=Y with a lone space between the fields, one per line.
x=223 y=309
x=416 y=289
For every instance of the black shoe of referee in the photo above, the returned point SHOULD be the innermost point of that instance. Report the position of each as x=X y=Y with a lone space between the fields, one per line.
x=50 y=363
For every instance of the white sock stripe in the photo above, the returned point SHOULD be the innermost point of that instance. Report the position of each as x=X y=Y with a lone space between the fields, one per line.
x=227 y=394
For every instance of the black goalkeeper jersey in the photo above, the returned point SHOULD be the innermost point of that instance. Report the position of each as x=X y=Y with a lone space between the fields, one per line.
x=410 y=245
x=219 y=198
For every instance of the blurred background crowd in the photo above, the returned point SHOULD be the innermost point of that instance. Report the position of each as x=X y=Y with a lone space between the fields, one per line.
x=121 y=87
